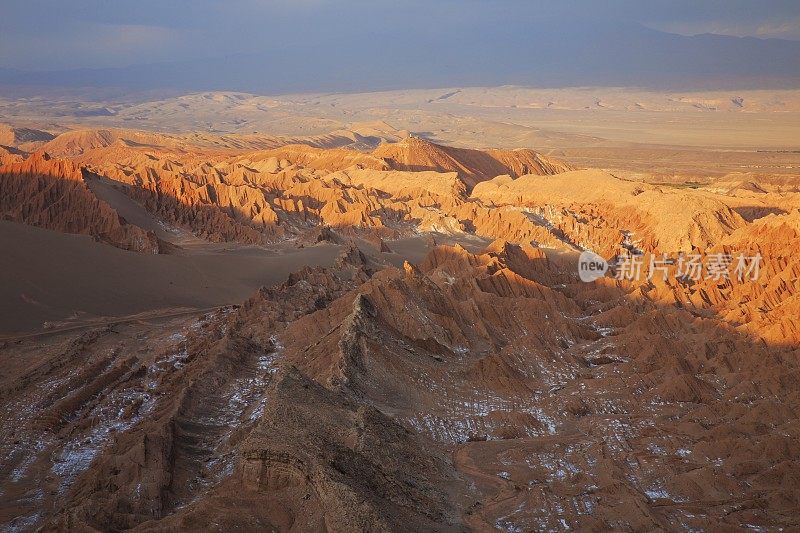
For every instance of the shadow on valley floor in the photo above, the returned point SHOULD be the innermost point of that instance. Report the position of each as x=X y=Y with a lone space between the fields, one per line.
x=66 y=279
x=655 y=416
x=559 y=404
x=751 y=213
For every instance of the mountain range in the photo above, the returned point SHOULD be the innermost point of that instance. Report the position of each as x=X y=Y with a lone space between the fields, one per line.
x=541 y=53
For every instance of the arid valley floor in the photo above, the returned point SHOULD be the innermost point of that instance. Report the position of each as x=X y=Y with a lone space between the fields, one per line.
x=362 y=312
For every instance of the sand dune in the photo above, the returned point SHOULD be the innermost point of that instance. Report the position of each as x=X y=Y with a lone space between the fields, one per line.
x=51 y=193
x=70 y=279
x=473 y=166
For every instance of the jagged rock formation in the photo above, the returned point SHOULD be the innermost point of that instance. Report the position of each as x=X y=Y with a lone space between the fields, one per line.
x=51 y=194
x=356 y=458
x=270 y=195
x=470 y=390
x=590 y=208
x=78 y=142
x=764 y=307
x=310 y=457
x=478 y=391
x=23 y=138
x=473 y=166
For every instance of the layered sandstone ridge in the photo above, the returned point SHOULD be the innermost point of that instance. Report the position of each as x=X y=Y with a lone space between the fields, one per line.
x=21 y=137
x=761 y=302
x=51 y=194
x=224 y=194
x=221 y=192
x=470 y=391
x=473 y=166
x=591 y=208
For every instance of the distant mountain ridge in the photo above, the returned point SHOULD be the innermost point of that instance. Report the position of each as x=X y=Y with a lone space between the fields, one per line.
x=602 y=55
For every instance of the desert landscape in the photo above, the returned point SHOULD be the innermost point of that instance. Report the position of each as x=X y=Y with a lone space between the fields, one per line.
x=472 y=308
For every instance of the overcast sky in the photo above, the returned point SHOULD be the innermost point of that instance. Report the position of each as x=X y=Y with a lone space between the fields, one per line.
x=352 y=44
x=58 y=34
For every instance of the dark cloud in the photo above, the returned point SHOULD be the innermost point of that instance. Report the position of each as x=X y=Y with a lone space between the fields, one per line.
x=360 y=43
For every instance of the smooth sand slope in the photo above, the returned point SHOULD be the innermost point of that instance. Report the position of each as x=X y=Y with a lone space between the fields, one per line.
x=49 y=276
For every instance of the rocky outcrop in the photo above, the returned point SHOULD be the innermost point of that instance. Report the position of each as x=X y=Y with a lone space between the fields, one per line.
x=51 y=194
x=355 y=458
x=762 y=301
x=23 y=138
x=472 y=166
x=222 y=194
x=471 y=390
x=594 y=210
